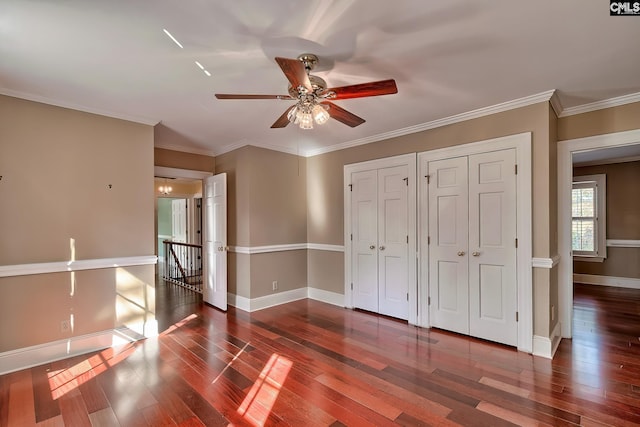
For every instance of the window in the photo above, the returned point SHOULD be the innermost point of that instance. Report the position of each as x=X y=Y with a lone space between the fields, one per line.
x=588 y=222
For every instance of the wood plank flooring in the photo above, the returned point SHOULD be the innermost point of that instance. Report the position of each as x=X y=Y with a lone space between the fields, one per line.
x=311 y=364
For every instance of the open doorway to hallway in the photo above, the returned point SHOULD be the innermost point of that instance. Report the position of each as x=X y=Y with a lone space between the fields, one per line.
x=179 y=231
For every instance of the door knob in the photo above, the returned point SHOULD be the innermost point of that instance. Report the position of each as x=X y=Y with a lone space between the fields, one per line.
x=372 y=247
x=461 y=253
x=476 y=254
x=382 y=248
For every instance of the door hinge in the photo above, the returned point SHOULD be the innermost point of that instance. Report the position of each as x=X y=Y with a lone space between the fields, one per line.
x=407 y=296
x=516 y=243
x=406 y=181
x=517 y=317
x=350 y=187
x=428 y=240
x=516 y=169
x=428 y=178
x=428 y=300
x=351 y=237
x=408 y=239
x=352 y=286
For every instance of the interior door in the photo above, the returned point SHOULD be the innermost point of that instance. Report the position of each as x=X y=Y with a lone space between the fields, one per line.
x=448 y=234
x=492 y=234
x=179 y=220
x=364 y=224
x=215 y=241
x=393 y=242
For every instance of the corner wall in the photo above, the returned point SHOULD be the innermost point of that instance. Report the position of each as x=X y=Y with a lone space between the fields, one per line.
x=75 y=190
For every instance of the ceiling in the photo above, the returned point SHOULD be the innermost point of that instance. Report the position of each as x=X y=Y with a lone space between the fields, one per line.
x=448 y=58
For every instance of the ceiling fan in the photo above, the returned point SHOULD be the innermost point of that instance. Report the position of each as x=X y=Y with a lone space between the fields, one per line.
x=313 y=97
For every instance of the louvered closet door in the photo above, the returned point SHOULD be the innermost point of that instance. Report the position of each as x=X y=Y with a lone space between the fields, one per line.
x=393 y=242
x=492 y=233
x=448 y=231
x=364 y=226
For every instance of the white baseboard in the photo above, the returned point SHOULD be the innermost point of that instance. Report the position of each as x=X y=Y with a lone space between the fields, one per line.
x=546 y=347
x=329 y=297
x=267 y=301
x=28 y=357
x=620 y=282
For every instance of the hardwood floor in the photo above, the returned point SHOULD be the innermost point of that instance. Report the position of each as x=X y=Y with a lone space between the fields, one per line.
x=311 y=364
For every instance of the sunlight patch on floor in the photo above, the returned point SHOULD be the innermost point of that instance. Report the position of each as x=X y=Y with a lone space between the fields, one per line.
x=256 y=407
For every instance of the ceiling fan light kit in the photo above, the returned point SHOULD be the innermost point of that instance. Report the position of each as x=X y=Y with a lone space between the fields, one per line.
x=312 y=95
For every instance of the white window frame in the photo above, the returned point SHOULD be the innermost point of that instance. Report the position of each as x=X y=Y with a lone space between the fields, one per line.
x=599 y=182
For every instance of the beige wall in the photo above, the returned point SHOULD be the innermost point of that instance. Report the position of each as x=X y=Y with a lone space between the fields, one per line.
x=57 y=165
x=266 y=206
x=617 y=119
x=623 y=220
x=182 y=160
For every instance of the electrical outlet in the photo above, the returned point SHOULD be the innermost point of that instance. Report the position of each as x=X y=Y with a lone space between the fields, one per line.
x=64 y=326
x=275 y=285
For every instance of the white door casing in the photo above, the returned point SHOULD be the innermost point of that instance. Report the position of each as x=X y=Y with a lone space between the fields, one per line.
x=492 y=249
x=363 y=256
x=393 y=242
x=215 y=241
x=522 y=145
x=448 y=232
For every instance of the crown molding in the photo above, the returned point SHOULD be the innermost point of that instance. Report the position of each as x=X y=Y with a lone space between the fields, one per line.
x=474 y=114
x=83 y=108
x=556 y=104
x=600 y=105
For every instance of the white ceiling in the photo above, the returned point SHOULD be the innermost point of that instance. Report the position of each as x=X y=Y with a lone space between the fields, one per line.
x=112 y=57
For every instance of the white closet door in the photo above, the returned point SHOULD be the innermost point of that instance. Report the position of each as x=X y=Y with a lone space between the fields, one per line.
x=492 y=234
x=393 y=241
x=448 y=231
x=364 y=225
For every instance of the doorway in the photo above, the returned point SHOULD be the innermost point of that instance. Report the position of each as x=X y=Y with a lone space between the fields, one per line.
x=566 y=151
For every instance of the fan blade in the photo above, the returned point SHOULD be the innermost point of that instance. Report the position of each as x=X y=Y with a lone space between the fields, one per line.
x=241 y=96
x=283 y=120
x=383 y=87
x=295 y=72
x=342 y=115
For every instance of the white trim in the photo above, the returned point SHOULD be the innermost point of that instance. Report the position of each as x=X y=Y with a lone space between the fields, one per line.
x=522 y=143
x=323 y=247
x=545 y=262
x=601 y=105
x=607 y=161
x=329 y=297
x=565 y=180
x=267 y=249
x=620 y=282
x=400 y=160
x=250 y=250
x=238 y=301
x=85 y=264
x=546 y=347
x=266 y=301
x=83 y=108
x=28 y=357
x=556 y=103
x=163 y=171
x=474 y=114
x=619 y=243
